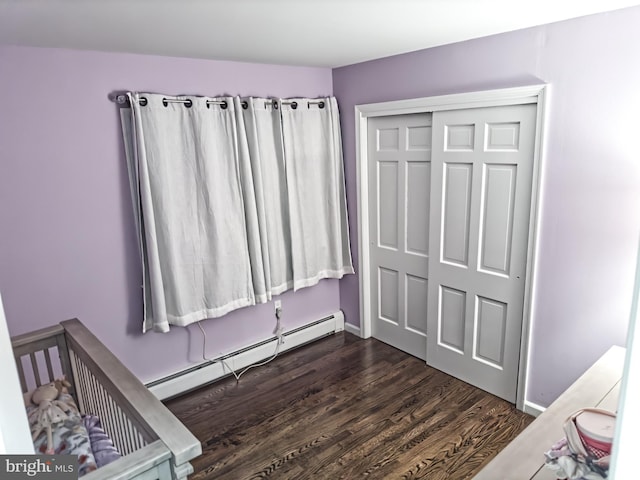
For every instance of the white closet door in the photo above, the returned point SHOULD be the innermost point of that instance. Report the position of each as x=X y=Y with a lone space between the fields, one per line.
x=399 y=152
x=481 y=193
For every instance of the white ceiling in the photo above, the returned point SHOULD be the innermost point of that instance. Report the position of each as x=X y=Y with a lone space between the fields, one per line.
x=323 y=33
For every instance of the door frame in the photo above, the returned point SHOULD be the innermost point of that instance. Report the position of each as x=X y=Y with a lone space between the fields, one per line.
x=536 y=94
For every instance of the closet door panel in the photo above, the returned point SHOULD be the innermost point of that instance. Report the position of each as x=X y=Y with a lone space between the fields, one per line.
x=482 y=168
x=399 y=149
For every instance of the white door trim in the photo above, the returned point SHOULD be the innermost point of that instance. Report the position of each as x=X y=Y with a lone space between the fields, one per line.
x=509 y=96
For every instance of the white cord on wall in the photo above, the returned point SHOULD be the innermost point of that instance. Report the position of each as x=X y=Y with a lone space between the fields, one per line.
x=278 y=332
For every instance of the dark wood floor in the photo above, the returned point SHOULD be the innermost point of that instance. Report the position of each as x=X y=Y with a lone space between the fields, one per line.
x=346 y=408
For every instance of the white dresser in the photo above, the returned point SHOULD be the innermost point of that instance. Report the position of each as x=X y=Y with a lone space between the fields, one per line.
x=523 y=458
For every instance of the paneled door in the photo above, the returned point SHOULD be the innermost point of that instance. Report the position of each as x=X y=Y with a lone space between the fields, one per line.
x=482 y=166
x=399 y=155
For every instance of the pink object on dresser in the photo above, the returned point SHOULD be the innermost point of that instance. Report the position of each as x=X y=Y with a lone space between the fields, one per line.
x=596 y=430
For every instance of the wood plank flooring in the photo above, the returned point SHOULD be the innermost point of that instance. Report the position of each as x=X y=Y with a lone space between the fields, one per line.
x=345 y=408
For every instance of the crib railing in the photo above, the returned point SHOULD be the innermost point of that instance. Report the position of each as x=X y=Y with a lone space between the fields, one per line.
x=41 y=357
x=95 y=399
x=145 y=432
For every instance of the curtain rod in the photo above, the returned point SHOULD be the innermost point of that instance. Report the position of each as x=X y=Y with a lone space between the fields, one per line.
x=122 y=100
x=293 y=103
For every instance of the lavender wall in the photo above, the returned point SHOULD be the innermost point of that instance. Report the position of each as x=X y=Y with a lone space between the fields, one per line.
x=68 y=247
x=591 y=182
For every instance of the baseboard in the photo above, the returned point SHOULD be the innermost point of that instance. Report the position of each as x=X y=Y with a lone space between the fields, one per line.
x=208 y=372
x=532 y=408
x=353 y=329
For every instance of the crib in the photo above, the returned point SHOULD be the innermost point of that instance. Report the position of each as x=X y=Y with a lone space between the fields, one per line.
x=153 y=443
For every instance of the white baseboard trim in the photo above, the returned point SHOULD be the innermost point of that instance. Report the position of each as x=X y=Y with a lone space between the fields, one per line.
x=533 y=408
x=353 y=329
x=208 y=372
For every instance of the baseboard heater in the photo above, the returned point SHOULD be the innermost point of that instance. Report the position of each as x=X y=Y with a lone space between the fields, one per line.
x=212 y=370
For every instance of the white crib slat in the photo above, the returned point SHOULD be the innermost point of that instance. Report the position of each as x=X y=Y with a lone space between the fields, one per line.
x=126 y=425
x=47 y=359
x=23 y=382
x=34 y=369
x=111 y=414
x=79 y=376
x=105 y=413
x=133 y=434
x=118 y=420
x=111 y=411
x=90 y=400
x=60 y=344
x=139 y=440
x=94 y=393
x=125 y=432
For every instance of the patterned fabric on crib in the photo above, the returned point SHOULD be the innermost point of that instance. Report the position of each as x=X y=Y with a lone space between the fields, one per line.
x=103 y=449
x=70 y=437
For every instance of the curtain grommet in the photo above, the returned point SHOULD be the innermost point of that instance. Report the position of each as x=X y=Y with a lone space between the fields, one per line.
x=143 y=101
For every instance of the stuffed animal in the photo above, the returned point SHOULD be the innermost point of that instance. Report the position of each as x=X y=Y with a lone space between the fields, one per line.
x=50 y=410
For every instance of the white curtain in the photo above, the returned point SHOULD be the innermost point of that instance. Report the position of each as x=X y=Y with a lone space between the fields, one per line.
x=235 y=201
x=316 y=192
x=264 y=135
